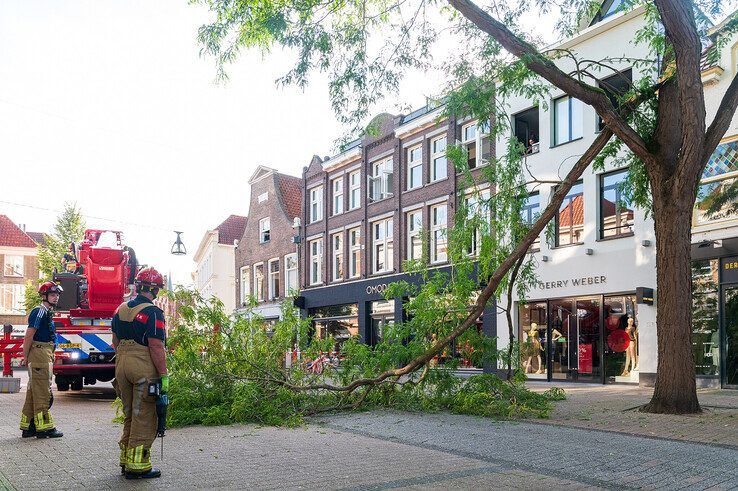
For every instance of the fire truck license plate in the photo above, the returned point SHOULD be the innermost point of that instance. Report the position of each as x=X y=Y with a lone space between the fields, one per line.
x=70 y=345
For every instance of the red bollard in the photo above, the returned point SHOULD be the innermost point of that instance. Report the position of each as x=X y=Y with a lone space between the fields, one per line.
x=9 y=349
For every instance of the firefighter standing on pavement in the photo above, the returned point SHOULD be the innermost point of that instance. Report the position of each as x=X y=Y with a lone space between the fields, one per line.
x=38 y=351
x=139 y=339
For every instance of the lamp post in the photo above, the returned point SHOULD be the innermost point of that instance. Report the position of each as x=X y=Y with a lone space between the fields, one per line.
x=178 y=248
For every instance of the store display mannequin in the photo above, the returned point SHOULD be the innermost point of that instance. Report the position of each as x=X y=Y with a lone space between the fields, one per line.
x=535 y=349
x=631 y=352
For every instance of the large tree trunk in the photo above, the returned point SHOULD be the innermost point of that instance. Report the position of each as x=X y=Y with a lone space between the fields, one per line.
x=675 y=391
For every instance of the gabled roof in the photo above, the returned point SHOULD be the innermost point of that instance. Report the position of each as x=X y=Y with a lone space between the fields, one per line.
x=11 y=234
x=231 y=229
x=261 y=172
x=38 y=237
x=291 y=190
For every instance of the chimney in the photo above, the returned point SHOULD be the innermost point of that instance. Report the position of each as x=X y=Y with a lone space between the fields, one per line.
x=23 y=226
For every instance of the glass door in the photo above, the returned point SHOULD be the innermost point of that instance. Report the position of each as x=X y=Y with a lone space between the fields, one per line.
x=730 y=322
x=574 y=339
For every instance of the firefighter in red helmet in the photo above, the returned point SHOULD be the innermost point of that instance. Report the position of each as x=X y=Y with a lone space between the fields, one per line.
x=139 y=339
x=38 y=351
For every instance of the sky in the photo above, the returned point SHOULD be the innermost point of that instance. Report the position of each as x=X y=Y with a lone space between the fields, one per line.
x=110 y=105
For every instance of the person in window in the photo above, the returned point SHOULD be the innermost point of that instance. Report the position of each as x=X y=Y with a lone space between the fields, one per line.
x=532 y=142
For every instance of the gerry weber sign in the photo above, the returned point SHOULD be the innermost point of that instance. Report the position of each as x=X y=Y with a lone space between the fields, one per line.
x=583 y=281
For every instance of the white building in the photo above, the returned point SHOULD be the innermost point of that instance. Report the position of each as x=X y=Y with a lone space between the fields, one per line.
x=584 y=320
x=214 y=275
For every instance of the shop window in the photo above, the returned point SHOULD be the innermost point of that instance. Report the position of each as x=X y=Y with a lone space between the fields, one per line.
x=12 y=299
x=245 y=284
x=439 y=163
x=718 y=183
x=615 y=86
x=414 y=239
x=532 y=338
x=383 y=315
x=339 y=322
x=616 y=211
x=530 y=211
x=316 y=204
x=383 y=247
x=337 y=256
x=705 y=317
x=264 y=230
x=570 y=218
x=567 y=121
x=259 y=282
x=381 y=183
x=525 y=127
x=438 y=233
x=291 y=274
x=354 y=190
x=337 y=187
x=355 y=252
x=621 y=338
x=13 y=266
x=414 y=167
x=316 y=261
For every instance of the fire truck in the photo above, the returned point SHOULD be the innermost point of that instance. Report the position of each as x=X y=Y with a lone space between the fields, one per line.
x=100 y=274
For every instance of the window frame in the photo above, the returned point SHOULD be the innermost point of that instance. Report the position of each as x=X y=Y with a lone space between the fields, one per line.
x=412 y=233
x=484 y=195
x=337 y=207
x=354 y=252
x=316 y=203
x=385 y=242
x=20 y=261
x=442 y=238
x=259 y=285
x=384 y=177
x=272 y=283
x=570 y=105
x=414 y=164
x=530 y=219
x=355 y=190
x=570 y=197
x=288 y=288
x=337 y=257
x=16 y=292
x=437 y=156
x=316 y=262
x=600 y=211
x=265 y=233
x=245 y=286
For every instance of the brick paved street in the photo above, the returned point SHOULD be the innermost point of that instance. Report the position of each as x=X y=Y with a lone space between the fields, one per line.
x=381 y=450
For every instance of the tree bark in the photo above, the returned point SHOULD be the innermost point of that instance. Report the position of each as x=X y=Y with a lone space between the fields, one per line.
x=675 y=391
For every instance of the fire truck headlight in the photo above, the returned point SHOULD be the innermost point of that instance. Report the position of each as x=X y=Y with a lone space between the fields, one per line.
x=75 y=355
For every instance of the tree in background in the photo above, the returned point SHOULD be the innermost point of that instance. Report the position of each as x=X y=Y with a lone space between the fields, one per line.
x=660 y=125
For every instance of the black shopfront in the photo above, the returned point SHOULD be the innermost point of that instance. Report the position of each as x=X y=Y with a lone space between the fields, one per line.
x=359 y=308
x=715 y=318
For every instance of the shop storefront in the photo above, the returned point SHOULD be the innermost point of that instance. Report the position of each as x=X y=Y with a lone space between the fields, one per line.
x=591 y=338
x=715 y=321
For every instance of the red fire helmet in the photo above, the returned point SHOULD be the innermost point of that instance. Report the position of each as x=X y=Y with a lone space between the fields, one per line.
x=150 y=277
x=50 y=287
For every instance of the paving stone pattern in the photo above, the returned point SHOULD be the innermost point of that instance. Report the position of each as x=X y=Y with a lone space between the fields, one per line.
x=383 y=450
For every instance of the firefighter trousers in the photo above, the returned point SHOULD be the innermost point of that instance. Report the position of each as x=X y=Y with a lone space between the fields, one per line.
x=38 y=393
x=134 y=370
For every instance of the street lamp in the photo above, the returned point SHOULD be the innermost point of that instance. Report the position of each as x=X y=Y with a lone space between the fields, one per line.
x=178 y=248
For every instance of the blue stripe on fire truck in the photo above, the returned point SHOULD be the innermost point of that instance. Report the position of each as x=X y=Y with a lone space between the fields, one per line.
x=62 y=340
x=97 y=342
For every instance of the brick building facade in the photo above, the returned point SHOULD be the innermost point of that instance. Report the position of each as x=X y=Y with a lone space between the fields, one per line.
x=363 y=212
x=266 y=256
x=19 y=260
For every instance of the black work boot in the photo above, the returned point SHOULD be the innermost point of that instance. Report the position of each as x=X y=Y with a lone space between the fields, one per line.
x=149 y=474
x=31 y=431
x=52 y=433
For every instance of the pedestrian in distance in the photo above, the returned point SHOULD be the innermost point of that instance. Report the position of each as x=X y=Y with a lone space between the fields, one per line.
x=38 y=351
x=139 y=339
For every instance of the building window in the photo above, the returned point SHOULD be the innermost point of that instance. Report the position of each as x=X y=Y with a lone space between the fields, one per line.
x=568 y=121
x=245 y=284
x=414 y=239
x=316 y=262
x=438 y=233
x=529 y=213
x=316 y=204
x=615 y=86
x=382 y=240
x=616 y=214
x=12 y=299
x=719 y=174
x=337 y=186
x=414 y=167
x=264 y=230
x=337 y=257
x=259 y=282
x=355 y=251
x=13 y=266
x=469 y=140
x=273 y=279
x=525 y=127
x=439 y=165
x=291 y=276
x=477 y=206
x=354 y=190
x=381 y=182
x=570 y=218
